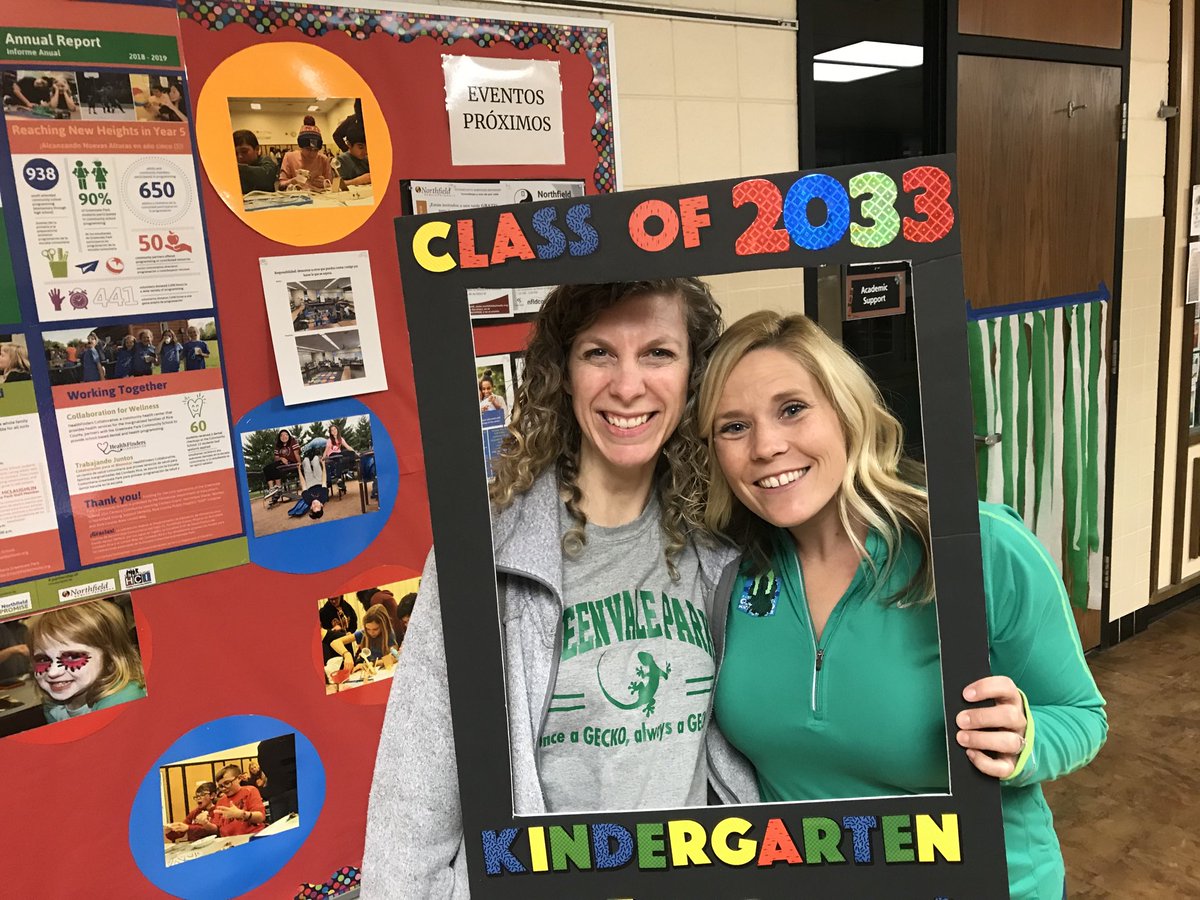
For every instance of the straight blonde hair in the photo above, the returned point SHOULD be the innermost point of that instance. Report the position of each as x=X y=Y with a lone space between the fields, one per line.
x=881 y=487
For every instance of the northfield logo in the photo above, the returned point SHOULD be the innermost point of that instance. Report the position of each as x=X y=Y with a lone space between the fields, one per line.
x=136 y=577
x=82 y=591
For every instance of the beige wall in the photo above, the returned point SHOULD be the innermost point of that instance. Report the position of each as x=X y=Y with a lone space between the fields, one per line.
x=1141 y=300
x=699 y=101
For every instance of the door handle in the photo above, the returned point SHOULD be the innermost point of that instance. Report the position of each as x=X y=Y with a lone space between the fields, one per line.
x=987 y=440
x=1071 y=108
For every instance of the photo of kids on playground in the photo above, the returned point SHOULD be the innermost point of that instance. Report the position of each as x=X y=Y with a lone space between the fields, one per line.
x=302 y=474
x=131 y=350
x=362 y=633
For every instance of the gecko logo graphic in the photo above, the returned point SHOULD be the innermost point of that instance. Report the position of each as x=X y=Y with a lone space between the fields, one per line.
x=648 y=676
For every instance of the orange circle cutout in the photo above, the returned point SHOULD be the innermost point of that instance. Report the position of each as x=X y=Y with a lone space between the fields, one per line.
x=281 y=71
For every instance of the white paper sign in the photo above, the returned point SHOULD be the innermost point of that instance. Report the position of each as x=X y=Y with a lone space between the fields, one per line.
x=1193 y=273
x=321 y=308
x=1194 y=229
x=504 y=111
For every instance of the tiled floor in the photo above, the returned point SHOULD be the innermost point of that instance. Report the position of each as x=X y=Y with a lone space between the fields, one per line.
x=1130 y=822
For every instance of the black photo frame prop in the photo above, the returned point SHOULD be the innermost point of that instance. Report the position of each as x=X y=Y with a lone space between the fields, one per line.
x=946 y=845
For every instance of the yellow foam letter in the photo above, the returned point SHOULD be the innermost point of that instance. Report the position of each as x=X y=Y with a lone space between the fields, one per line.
x=745 y=850
x=943 y=838
x=687 y=843
x=431 y=262
x=537 y=849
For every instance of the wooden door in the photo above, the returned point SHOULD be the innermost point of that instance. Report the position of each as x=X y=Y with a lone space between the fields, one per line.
x=1038 y=187
x=1038 y=145
x=1093 y=23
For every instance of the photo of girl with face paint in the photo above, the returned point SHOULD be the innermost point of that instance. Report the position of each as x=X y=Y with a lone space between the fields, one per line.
x=85 y=658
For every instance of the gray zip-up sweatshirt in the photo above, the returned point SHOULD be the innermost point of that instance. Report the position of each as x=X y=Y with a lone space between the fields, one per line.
x=415 y=844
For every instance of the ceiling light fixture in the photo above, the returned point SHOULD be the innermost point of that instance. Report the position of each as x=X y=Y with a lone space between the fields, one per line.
x=875 y=53
x=256 y=106
x=823 y=71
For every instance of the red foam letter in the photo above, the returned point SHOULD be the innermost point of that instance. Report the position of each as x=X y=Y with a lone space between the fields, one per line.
x=777 y=846
x=467 y=257
x=660 y=210
x=510 y=241
x=691 y=211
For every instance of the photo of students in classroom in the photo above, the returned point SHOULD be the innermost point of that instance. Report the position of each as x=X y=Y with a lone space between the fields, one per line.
x=322 y=303
x=130 y=350
x=303 y=474
x=362 y=633
x=228 y=798
x=330 y=356
x=300 y=152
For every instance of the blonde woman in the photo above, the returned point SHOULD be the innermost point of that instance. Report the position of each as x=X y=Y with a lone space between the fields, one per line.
x=832 y=603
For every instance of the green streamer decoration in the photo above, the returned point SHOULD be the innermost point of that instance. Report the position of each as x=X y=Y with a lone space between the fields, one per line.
x=1016 y=388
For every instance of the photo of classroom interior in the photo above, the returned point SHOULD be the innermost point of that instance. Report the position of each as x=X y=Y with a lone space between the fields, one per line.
x=330 y=356
x=325 y=303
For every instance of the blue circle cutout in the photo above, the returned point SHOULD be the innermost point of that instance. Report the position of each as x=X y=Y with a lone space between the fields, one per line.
x=327 y=544
x=232 y=872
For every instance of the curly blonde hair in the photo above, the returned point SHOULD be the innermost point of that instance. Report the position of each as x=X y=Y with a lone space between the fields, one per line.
x=544 y=432
x=881 y=487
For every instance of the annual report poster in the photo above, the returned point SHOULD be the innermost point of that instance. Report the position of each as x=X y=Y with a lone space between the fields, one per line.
x=107 y=190
x=116 y=463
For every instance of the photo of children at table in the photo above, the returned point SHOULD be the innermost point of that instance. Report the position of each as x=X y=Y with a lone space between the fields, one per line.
x=257 y=170
x=129 y=350
x=353 y=166
x=356 y=654
x=306 y=168
x=200 y=820
x=240 y=794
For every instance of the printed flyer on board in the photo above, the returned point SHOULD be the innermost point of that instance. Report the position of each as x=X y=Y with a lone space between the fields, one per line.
x=116 y=462
x=29 y=544
x=107 y=190
x=145 y=440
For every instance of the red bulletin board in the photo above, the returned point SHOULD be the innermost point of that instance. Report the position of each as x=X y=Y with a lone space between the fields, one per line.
x=244 y=642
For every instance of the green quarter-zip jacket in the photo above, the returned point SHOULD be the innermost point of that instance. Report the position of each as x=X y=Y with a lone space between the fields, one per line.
x=859 y=712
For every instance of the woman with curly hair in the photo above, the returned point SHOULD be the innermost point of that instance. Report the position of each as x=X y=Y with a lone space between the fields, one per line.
x=833 y=604
x=602 y=582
